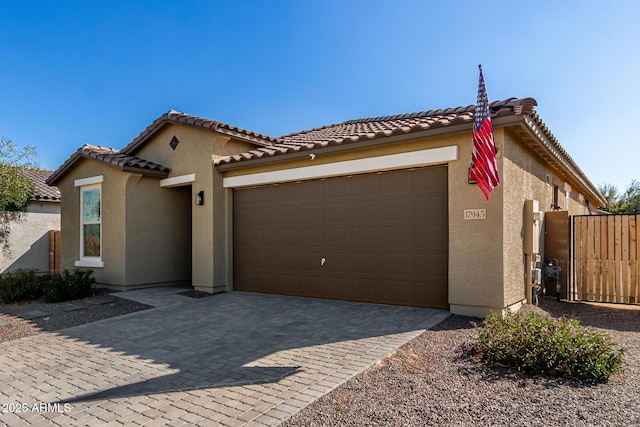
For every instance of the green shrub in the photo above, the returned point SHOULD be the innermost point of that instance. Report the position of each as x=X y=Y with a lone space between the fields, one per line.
x=69 y=285
x=20 y=285
x=546 y=346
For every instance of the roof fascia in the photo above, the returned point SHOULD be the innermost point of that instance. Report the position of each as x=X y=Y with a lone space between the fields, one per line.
x=62 y=170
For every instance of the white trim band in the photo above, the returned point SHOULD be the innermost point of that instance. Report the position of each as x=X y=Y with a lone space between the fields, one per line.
x=88 y=181
x=89 y=263
x=176 y=181
x=369 y=164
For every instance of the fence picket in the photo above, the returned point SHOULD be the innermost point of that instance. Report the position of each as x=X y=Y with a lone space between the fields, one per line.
x=605 y=258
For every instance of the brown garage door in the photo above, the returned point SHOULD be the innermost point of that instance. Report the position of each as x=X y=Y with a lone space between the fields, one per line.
x=380 y=237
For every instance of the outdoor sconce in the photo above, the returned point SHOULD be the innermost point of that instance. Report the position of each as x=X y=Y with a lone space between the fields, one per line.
x=469 y=179
x=200 y=198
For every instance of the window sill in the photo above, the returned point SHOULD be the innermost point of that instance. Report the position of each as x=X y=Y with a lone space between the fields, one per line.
x=87 y=263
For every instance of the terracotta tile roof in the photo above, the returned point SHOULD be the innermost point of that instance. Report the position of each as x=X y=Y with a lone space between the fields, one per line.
x=379 y=127
x=113 y=158
x=173 y=116
x=42 y=191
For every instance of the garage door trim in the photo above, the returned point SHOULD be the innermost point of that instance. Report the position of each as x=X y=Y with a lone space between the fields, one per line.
x=409 y=159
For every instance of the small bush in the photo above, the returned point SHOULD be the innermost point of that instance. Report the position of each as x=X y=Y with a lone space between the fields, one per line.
x=540 y=345
x=69 y=285
x=20 y=285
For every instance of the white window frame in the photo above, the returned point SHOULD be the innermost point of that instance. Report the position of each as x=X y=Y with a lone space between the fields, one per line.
x=89 y=184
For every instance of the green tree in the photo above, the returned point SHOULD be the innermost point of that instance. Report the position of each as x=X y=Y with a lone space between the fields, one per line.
x=627 y=202
x=16 y=190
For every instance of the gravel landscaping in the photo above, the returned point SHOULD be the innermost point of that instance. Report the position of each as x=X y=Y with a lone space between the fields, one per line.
x=60 y=315
x=432 y=381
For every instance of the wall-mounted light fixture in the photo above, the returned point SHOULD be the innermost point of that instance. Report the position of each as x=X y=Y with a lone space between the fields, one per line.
x=200 y=198
x=469 y=179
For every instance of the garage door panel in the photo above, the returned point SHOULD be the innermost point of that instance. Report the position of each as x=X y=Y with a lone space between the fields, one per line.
x=430 y=208
x=312 y=237
x=339 y=212
x=289 y=214
x=338 y=262
x=312 y=286
x=430 y=180
x=394 y=183
x=398 y=236
x=367 y=211
x=399 y=292
x=430 y=294
x=288 y=238
x=311 y=261
x=431 y=236
x=338 y=287
x=384 y=237
x=338 y=238
x=288 y=261
x=397 y=264
x=289 y=284
x=337 y=189
x=367 y=289
x=366 y=237
x=397 y=209
x=312 y=213
x=288 y=193
x=366 y=263
x=312 y=192
x=430 y=264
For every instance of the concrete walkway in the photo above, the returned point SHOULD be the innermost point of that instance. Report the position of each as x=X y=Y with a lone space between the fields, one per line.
x=230 y=359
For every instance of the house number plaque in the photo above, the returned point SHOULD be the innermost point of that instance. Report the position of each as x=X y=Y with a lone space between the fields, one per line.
x=475 y=214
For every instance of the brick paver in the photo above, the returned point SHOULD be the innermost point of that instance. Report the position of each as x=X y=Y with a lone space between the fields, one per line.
x=233 y=359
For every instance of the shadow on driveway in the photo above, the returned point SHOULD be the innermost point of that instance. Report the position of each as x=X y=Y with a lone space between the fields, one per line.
x=243 y=338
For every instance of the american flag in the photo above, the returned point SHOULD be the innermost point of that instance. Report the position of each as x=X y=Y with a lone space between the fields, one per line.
x=484 y=168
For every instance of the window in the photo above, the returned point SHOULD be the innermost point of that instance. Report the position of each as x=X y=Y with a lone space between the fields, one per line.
x=555 y=203
x=90 y=222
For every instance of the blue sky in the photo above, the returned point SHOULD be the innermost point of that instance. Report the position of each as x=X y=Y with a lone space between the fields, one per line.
x=100 y=72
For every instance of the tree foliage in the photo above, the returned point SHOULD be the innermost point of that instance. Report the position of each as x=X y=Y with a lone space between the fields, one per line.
x=16 y=190
x=625 y=202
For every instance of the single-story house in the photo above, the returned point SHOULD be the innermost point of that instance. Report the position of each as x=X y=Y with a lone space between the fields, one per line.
x=29 y=237
x=378 y=210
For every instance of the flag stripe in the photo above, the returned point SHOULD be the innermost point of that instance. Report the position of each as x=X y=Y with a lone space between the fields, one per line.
x=484 y=167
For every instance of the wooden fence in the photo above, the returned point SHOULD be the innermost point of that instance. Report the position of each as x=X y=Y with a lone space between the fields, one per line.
x=605 y=258
x=54 y=251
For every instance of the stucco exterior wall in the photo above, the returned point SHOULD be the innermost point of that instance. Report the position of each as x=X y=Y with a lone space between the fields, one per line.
x=157 y=233
x=210 y=259
x=29 y=239
x=475 y=246
x=527 y=176
x=113 y=221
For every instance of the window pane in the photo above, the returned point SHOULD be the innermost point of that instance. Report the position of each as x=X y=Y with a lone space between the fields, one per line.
x=91 y=206
x=92 y=240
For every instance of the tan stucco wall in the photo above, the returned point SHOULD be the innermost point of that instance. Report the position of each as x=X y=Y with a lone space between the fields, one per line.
x=113 y=222
x=29 y=238
x=475 y=246
x=211 y=259
x=157 y=233
x=153 y=235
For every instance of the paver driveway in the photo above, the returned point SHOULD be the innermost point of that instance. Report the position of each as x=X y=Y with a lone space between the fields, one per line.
x=229 y=359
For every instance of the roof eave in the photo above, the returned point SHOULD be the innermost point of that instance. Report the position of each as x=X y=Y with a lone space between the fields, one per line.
x=550 y=152
x=64 y=168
